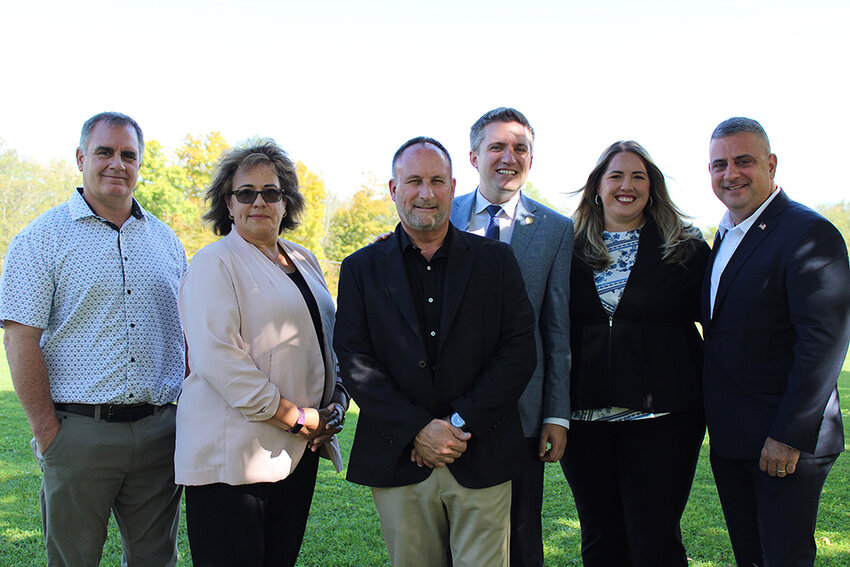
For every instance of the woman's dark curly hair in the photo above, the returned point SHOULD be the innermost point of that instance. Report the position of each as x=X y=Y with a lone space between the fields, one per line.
x=263 y=151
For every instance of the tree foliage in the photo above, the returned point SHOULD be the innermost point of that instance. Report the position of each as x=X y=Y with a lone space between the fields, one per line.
x=28 y=188
x=310 y=232
x=162 y=187
x=839 y=215
x=172 y=186
x=198 y=157
x=370 y=212
x=533 y=192
x=166 y=189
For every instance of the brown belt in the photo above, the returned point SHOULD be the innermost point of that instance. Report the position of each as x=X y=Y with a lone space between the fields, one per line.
x=110 y=413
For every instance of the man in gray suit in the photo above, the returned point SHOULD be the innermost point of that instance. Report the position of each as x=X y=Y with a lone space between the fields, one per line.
x=501 y=144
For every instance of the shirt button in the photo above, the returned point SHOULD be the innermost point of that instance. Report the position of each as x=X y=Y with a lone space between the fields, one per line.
x=422 y=364
x=430 y=300
x=433 y=333
x=428 y=268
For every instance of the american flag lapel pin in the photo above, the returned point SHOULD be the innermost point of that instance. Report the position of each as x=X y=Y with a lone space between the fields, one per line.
x=762 y=226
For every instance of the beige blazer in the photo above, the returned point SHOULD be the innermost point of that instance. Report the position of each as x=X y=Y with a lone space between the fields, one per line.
x=251 y=340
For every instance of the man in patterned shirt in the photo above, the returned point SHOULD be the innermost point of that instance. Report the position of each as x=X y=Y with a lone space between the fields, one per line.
x=88 y=299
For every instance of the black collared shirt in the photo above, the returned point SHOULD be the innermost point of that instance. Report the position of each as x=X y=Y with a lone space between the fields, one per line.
x=426 y=280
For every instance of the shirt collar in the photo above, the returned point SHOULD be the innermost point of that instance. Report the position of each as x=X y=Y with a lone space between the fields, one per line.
x=81 y=209
x=405 y=243
x=508 y=207
x=726 y=223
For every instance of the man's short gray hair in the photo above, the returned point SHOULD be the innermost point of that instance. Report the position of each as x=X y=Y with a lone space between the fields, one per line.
x=738 y=125
x=113 y=119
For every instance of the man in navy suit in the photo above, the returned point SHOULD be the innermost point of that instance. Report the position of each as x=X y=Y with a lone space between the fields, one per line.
x=435 y=339
x=776 y=319
x=501 y=144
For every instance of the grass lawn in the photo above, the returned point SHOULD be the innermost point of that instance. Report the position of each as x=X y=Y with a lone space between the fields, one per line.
x=344 y=531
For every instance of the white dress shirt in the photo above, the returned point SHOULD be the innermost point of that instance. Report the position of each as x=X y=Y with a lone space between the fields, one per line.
x=732 y=235
x=481 y=218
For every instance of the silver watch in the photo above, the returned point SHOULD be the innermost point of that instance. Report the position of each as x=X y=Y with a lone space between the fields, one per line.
x=456 y=420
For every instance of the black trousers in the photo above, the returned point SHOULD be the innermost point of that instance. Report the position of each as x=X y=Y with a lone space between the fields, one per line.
x=526 y=510
x=251 y=525
x=771 y=520
x=631 y=481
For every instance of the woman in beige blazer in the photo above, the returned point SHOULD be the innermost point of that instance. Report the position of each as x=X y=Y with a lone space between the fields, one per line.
x=262 y=400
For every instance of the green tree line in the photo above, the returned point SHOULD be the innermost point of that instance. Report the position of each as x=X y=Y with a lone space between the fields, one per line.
x=172 y=185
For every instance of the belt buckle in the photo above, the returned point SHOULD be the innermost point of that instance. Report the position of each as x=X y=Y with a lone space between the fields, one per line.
x=108 y=417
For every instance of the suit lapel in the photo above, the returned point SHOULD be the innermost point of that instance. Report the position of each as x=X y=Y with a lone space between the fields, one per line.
x=394 y=276
x=458 y=271
x=462 y=210
x=765 y=224
x=524 y=226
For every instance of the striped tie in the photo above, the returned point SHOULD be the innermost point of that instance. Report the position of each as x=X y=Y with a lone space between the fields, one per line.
x=493 y=228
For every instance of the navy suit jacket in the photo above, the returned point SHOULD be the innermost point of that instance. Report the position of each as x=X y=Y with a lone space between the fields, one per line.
x=485 y=357
x=778 y=337
x=542 y=241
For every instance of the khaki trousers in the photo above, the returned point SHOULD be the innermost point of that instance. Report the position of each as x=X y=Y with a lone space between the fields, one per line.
x=420 y=521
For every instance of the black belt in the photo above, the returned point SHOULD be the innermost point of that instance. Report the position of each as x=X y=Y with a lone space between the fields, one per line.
x=107 y=412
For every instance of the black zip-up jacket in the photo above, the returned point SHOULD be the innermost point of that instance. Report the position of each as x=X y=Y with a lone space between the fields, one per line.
x=648 y=356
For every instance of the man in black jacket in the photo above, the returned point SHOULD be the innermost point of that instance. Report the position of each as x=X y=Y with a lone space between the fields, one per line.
x=776 y=320
x=435 y=340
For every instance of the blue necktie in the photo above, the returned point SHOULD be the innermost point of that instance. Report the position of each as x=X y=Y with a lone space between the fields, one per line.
x=493 y=228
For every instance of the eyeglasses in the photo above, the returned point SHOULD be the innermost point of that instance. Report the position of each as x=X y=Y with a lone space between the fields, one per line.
x=248 y=196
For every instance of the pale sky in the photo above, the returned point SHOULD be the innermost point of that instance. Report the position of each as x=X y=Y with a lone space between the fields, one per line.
x=340 y=85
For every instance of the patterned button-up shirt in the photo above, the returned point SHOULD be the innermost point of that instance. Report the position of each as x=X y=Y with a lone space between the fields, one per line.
x=106 y=299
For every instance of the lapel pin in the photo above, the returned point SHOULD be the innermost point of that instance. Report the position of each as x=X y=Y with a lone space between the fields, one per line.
x=529 y=220
x=762 y=226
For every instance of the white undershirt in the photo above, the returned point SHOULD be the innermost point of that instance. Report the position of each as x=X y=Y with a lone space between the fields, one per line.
x=480 y=218
x=732 y=235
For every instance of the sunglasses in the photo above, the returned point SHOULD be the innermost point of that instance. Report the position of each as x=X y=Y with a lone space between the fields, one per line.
x=248 y=196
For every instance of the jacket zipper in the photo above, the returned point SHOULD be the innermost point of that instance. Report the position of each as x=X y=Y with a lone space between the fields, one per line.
x=610 y=350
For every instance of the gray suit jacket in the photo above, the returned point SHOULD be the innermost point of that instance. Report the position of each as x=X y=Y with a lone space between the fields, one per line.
x=542 y=242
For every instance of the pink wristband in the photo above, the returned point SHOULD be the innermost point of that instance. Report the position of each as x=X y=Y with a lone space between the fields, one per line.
x=300 y=423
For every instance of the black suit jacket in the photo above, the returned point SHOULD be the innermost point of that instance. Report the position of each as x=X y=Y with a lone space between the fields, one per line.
x=485 y=357
x=777 y=340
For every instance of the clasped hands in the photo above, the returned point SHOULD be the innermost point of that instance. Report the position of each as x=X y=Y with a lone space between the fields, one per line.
x=330 y=423
x=319 y=424
x=438 y=444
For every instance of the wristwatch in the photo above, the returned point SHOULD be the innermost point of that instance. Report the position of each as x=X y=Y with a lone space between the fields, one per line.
x=341 y=411
x=456 y=420
x=300 y=423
